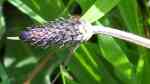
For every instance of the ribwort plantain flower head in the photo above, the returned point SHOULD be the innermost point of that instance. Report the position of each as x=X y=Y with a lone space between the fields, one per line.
x=58 y=33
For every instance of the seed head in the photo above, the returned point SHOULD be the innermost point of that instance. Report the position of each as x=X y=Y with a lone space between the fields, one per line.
x=58 y=33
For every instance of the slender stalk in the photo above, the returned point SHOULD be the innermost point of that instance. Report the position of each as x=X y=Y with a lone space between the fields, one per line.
x=130 y=37
x=42 y=64
x=66 y=62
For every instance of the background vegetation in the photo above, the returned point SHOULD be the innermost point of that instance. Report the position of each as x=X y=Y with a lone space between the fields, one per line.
x=102 y=60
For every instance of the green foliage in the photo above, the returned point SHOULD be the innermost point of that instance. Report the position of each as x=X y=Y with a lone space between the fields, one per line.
x=102 y=60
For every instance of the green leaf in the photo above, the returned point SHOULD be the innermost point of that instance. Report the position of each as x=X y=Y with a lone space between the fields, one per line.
x=99 y=9
x=40 y=10
x=130 y=13
x=132 y=19
x=4 y=75
x=27 y=10
x=86 y=67
x=2 y=22
x=114 y=54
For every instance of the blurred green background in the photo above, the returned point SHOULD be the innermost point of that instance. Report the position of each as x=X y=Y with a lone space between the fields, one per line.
x=102 y=60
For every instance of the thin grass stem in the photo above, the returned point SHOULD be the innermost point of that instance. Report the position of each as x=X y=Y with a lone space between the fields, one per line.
x=130 y=37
